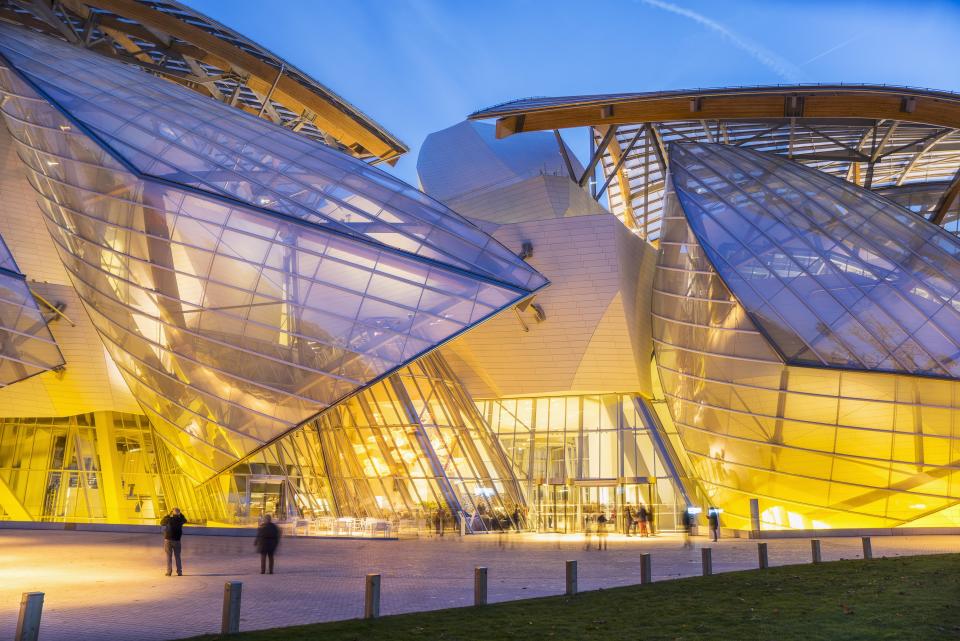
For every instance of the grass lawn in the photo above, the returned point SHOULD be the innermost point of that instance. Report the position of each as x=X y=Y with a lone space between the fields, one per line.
x=905 y=598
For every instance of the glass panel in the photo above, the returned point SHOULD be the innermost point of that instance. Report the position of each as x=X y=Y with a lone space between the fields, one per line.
x=767 y=223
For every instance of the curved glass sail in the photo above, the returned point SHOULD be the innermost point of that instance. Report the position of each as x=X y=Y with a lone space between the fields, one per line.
x=831 y=273
x=232 y=319
x=819 y=446
x=167 y=132
x=26 y=345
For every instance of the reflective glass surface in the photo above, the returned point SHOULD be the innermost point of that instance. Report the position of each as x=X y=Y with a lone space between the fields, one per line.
x=385 y=460
x=582 y=455
x=26 y=345
x=819 y=447
x=170 y=132
x=94 y=467
x=831 y=273
x=230 y=323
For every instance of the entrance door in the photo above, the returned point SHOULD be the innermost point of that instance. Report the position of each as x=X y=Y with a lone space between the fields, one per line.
x=266 y=495
x=556 y=508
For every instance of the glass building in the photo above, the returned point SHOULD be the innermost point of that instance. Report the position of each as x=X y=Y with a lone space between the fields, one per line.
x=261 y=294
x=806 y=334
x=804 y=307
x=212 y=297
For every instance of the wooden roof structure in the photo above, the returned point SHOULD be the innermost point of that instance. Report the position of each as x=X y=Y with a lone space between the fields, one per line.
x=903 y=142
x=169 y=39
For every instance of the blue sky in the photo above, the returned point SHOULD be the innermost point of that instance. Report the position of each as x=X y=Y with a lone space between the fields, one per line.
x=417 y=66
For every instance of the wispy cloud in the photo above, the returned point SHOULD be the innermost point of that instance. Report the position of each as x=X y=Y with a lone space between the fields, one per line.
x=832 y=49
x=764 y=56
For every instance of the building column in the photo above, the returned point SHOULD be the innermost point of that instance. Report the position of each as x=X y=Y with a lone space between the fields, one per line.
x=109 y=476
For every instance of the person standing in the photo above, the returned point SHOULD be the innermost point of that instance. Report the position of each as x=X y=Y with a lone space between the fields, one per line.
x=268 y=538
x=713 y=515
x=172 y=525
x=438 y=520
x=602 y=531
x=642 y=518
x=629 y=520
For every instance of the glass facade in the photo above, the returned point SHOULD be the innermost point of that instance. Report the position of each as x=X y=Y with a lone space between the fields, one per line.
x=243 y=278
x=275 y=305
x=165 y=131
x=831 y=273
x=384 y=460
x=818 y=446
x=96 y=467
x=580 y=455
x=26 y=345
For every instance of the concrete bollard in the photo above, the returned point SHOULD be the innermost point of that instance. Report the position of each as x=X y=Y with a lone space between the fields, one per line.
x=371 y=599
x=867 y=547
x=706 y=556
x=764 y=560
x=754 y=518
x=230 y=618
x=571 y=578
x=815 y=550
x=646 y=575
x=463 y=526
x=28 y=625
x=480 y=586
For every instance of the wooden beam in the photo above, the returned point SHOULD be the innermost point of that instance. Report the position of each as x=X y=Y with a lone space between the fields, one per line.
x=658 y=149
x=45 y=12
x=948 y=198
x=926 y=146
x=289 y=92
x=509 y=126
x=563 y=154
x=610 y=132
x=619 y=157
x=759 y=104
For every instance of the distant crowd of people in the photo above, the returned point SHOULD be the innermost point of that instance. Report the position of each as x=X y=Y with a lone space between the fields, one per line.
x=480 y=520
x=637 y=521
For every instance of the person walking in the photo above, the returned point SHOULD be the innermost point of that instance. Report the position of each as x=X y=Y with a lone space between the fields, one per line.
x=268 y=538
x=713 y=516
x=650 y=520
x=438 y=521
x=602 y=531
x=172 y=525
x=687 y=527
x=589 y=527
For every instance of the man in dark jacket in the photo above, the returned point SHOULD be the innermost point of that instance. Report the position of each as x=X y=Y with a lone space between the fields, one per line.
x=713 y=516
x=268 y=537
x=172 y=533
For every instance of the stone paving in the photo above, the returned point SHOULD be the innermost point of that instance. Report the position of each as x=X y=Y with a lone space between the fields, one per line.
x=103 y=586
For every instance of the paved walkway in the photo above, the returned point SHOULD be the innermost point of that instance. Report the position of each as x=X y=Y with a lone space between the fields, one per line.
x=102 y=586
